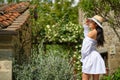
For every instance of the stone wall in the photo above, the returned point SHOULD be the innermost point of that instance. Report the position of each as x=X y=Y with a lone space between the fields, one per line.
x=5 y=57
x=15 y=40
x=112 y=45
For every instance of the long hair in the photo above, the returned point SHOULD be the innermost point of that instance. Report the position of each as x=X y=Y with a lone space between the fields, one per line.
x=100 y=36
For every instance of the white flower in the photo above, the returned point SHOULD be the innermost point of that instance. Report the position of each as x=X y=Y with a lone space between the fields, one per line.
x=53 y=26
x=79 y=45
x=75 y=40
x=55 y=35
x=77 y=62
x=78 y=68
x=76 y=46
x=49 y=29
x=74 y=55
x=48 y=26
x=79 y=57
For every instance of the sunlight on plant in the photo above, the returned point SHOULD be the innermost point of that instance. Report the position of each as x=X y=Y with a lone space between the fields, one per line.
x=50 y=66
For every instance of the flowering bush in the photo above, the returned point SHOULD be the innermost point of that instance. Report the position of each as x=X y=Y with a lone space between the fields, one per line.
x=63 y=32
x=67 y=33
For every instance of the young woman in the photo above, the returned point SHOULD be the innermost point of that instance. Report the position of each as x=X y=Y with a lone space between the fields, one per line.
x=92 y=62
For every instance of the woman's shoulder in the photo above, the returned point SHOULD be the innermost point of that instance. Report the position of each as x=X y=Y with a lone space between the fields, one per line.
x=92 y=34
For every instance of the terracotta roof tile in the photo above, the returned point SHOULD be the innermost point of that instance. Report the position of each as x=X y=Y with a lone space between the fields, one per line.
x=7 y=19
x=9 y=13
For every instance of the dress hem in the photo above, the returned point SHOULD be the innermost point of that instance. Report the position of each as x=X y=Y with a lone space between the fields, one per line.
x=94 y=73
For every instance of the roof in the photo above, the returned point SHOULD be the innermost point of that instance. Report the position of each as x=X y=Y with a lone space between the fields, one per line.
x=9 y=13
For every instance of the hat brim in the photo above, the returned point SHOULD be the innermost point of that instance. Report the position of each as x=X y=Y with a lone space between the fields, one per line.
x=96 y=22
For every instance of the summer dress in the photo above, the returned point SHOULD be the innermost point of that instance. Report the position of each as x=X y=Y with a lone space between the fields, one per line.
x=92 y=62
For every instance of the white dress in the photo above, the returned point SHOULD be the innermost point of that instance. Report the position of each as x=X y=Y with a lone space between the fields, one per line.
x=92 y=62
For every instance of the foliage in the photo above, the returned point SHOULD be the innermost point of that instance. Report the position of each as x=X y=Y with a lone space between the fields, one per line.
x=63 y=48
x=114 y=76
x=59 y=15
x=109 y=9
x=9 y=1
x=50 y=66
x=51 y=13
x=106 y=78
x=68 y=33
x=71 y=52
x=58 y=23
x=77 y=64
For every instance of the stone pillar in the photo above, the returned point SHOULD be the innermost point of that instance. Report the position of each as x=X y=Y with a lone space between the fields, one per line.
x=13 y=40
x=6 y=54
x=5 y=70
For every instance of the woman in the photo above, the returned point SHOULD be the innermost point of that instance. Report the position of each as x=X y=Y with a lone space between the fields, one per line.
x=92 y=62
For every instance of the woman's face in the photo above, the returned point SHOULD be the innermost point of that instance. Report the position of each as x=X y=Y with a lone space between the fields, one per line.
x=92 y=24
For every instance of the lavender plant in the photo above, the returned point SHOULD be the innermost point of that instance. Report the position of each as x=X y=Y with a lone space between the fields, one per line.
x=50 y=66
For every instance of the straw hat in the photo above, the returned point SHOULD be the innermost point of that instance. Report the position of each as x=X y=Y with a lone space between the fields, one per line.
x=97 y=19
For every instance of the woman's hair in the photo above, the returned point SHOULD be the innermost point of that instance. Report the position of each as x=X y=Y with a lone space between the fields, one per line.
x=100 y=36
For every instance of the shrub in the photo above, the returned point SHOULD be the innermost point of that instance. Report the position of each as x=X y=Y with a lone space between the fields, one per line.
x=106 y=78
x=50 y=66
x=116 y=75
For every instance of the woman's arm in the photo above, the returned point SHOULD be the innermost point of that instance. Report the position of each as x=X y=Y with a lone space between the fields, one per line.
x=86 y=28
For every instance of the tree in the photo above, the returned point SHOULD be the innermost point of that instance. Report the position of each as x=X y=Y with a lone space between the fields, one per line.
x=47 y=13
x=9 y=1
x=109 y=9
